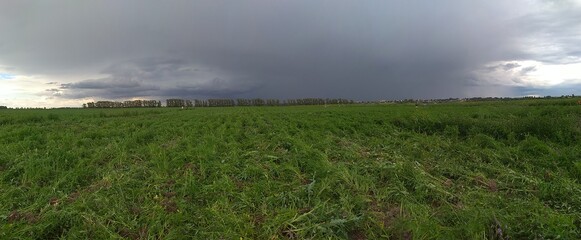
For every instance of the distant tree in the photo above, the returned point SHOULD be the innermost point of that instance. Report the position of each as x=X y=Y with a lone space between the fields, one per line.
x=221 y=102
x=198 y=103
x=175 y=103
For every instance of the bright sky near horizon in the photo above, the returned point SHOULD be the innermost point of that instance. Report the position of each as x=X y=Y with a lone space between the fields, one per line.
x=64 y=53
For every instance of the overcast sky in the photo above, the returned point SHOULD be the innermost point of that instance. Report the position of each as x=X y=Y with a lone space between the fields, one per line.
x=64 y=53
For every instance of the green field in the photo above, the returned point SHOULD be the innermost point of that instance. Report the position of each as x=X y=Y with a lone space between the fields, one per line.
x=443 y=171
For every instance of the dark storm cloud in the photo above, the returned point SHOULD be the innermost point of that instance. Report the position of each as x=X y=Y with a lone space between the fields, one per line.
x=103 y=83
x=157 y=77
x=361 y=50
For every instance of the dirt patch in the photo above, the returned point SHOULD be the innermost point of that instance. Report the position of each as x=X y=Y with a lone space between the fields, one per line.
x=169 y=183
x=436 y=203
x=549 y=175
x=95 y=186
x=388 y=215
x=374 y=206
x=391 y=215
x=72 y=197
x=169 y=194
x=14 y=216
x=169 y=205
x=135 y=210
x=258 y=219
x=188 y=168
x=364 y=153
x=407 y=235
x=54 y=202
x=456 y=202
x=140 y=233
x=28 y=217
x=357 y=235
x=289 y=233
x=304 y=210
x=492 y=186
x=305 y=181
x=239 y=184
x=459 y=205
x=448 y=183
x=98 y=185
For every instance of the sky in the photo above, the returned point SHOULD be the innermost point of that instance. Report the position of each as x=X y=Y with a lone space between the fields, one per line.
x=65 y=53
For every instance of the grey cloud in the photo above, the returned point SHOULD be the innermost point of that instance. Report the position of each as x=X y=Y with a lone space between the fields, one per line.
x=103 y=83
x=526 y=70
x=51 y=93
x=504 y=67
x=517 y=80
x=108 y=93
x=554 y=35
x=283 y=49
x=510 y=66
x=106 y=88
x=157 y=77
x=574 y=87
x=54 y=91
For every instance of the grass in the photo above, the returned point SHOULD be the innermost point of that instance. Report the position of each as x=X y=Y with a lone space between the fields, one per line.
x=447 y=171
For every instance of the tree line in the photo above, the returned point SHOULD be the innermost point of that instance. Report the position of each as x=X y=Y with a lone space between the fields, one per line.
x=217 y=102
x=124 y=104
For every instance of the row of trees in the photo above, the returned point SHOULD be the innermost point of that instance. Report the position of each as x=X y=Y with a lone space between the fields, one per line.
x=267 y=102
x=178 y=103
x=317 y=101
x=124 y=104
x=142 y=103
x=220 y=102
x=257 y=102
